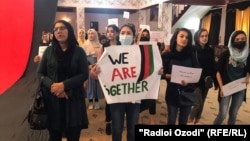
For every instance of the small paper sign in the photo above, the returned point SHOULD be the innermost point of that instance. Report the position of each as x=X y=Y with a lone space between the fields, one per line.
x=126 y=15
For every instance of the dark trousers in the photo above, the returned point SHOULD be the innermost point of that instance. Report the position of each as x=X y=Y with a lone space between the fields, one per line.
x=149 y=104
x=107 y=113
x=72 y=134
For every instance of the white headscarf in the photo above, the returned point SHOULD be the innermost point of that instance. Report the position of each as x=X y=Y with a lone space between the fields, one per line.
x=92 y=47
x=236 y=55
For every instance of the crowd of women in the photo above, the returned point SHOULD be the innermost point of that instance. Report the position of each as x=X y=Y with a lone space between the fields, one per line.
x=68 y=73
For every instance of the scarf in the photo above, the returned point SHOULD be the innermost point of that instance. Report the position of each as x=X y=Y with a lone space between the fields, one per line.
x=237 y=57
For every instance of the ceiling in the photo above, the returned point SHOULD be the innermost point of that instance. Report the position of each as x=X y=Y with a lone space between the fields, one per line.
x=108 y=11
x=205 y=2
x=192 y=16
x=198 y=9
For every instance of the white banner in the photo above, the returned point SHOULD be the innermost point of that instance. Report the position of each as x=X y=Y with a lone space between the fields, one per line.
x=188 y=74
x=234 y=86
x=130 y=73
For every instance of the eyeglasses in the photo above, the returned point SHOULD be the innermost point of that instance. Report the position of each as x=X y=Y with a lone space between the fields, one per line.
x=59 y=28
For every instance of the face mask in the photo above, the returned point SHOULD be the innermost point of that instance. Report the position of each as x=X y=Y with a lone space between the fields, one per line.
x=144 y=39
x=126 y=40
x=239 y=45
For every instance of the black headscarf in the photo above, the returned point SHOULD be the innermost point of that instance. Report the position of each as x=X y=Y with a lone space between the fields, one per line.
x=64 y=57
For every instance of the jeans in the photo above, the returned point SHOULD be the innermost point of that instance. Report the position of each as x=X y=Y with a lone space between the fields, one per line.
x=236 y=101
x=173 y=111
x=118 y=112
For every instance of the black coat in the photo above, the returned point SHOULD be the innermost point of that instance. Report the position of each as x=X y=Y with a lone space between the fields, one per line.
x=64 y=113
x=172 y=96
x=206 y=60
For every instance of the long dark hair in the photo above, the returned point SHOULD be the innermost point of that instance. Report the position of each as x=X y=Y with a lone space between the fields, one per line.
x=173 y=42
x=116 y=29
x=131 y=26
x=187 y=51
x=197 y=35
x=72 y=41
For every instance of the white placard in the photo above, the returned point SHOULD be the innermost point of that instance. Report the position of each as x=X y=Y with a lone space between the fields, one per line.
x=143 y=26
x=126 y=15
x=41 y=50
x=130 y=73
x=113 y=21
x=157 y=36
x=234 y=86
x=188 y=74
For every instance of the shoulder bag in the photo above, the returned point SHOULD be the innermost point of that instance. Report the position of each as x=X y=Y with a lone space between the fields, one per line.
x=188 y=98
x=37 y=116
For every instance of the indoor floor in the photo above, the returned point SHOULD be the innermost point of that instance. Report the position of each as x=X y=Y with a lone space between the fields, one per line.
x=96 y=130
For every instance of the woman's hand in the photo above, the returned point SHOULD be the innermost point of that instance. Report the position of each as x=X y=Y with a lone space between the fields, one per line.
x=95 y=71
x=85 y=85
x=160 y=72
x=37 y=59
x=57 y=88
x=221 y=93
x=62 y=95
x=183 y=83
x=247 y=80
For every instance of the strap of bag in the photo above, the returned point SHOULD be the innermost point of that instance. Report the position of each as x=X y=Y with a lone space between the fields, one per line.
x=196 y=55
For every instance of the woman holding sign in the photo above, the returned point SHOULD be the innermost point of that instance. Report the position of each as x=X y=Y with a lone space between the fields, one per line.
x=233 y=64
x=181 y=55
x=128 y=108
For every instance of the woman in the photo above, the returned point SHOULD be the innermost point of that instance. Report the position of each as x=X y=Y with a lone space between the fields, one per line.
x=81 y=37
x=92 y=48
x=62 y=71
x=129 y=109
x=112 y=34
x=205 y=57
x=180 y=54
x=120 y=110
x=149 y=104
x=232 y=65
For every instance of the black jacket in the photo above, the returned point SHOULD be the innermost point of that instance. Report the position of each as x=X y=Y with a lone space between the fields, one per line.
x=73 y=114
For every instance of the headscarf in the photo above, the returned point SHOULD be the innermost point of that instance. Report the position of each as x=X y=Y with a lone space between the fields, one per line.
x=91 y=47
x=236 y=55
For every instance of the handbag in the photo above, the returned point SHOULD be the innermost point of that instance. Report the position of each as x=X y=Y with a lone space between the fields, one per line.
x=208 y=82
x=37 y=116
x=188 y=98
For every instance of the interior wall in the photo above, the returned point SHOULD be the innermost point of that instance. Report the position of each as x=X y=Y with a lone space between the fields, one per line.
x=71 y=16
x=102 y=20
x=153 y=24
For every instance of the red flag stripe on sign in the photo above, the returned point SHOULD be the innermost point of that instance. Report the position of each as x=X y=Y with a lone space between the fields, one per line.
x=147 y=62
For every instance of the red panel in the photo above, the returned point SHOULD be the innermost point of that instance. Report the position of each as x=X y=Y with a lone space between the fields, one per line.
x=16 y=37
